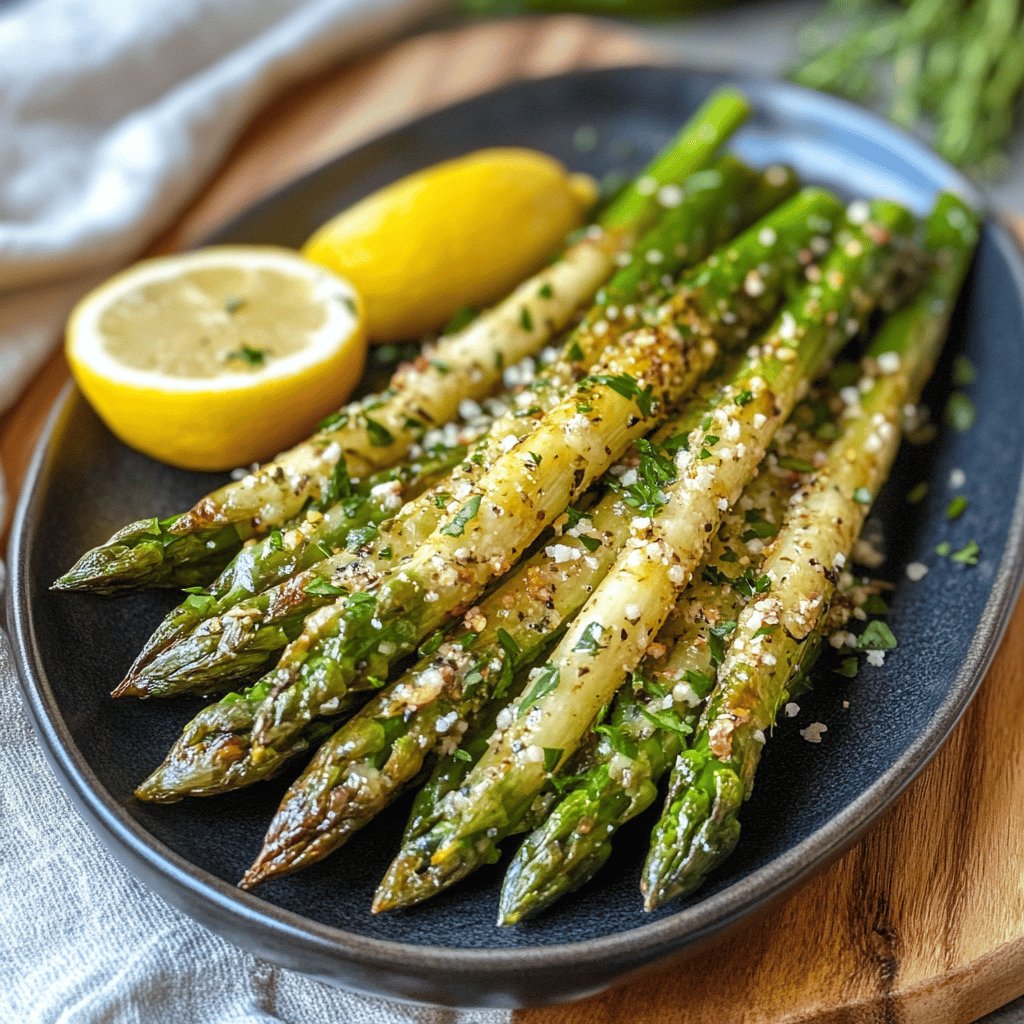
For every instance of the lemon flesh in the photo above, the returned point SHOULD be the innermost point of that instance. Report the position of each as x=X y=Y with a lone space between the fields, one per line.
x=461 y=233
x=220 y=357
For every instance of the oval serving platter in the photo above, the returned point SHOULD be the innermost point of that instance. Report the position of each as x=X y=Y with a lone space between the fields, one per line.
x=811 y=801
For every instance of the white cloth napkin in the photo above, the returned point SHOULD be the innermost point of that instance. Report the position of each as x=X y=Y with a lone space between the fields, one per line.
x=82 y=942
x=112 y=113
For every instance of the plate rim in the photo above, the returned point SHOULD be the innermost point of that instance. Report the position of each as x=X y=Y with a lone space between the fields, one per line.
x=689 y=926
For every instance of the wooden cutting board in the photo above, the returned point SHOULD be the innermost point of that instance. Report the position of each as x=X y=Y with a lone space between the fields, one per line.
x=923 y=920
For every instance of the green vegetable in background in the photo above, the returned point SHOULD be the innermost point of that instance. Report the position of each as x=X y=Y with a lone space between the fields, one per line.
x=955 y=65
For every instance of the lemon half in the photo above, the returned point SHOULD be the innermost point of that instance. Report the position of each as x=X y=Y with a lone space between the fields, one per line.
x=461 y=233
x=220 y=357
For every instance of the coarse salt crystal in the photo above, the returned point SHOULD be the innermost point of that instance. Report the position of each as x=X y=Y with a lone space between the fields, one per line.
x=753 y=284
x=888 y=362
x=670 y=196
x=559 y=553
x=858 y=212
x=792 y=710
x=814 y=732
x=468 y=409
x=916 y=571
x=957 y=478
x=876 y=658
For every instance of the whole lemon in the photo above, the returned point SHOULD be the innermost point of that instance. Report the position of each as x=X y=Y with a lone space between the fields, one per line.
x=461 y=233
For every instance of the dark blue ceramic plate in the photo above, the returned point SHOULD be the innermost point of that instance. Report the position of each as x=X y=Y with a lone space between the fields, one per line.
x=810 y=802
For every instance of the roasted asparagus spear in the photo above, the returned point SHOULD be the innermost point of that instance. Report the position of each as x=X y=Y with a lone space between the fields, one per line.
x=699 y=826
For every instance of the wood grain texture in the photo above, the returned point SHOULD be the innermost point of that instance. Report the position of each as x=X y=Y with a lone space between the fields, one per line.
x=922 y=922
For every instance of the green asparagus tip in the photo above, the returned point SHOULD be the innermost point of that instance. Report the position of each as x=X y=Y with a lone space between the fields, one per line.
x=105 y=569
x=128 y=688
x=411 y=879
x=156 y=790
x=254 y=876
x=300 y=834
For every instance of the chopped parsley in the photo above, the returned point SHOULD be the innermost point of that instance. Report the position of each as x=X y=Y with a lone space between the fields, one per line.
x=654 y=471
x=380 y=436
x=339 y=486
x=716 y=640
x=552 y=755
x=276 y=540
x=747 y=584
x=847 y=667
x=955 y=509
x=917 y=493
x=320 y=587
x=960 y=412
x=509 y=662
x=963 y=371
x=590 y=640
x=460 y=318
x=441 y=366
x=461 y=754
x=199 y=601
x=233 y=303
x=575 y=353
x=757 y=525
x=335 y=420
x=667 y=720
x=676 y=443
x=457 y=527
x=877 y=637
x=628 y=386
x=545 y=682
x=249 y=355
x=791 y=462
x=618 y=740
x=431 y=644
x=968 y=554
x=545 y=291
x=525 y=320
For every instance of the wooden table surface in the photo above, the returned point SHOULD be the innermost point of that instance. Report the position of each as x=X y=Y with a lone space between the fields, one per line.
x=921 y=921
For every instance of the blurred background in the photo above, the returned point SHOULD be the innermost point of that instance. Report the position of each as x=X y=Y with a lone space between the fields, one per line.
x=951 y=71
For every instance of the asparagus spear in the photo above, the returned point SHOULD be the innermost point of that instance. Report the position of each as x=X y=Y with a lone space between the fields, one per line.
x=713 y=203
x=377 y=432
x=634 y=598
x=699 y=826
x=617 y=779
x=778 y=244
x=350 y=513
x=490 y=525
x=371 y=759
